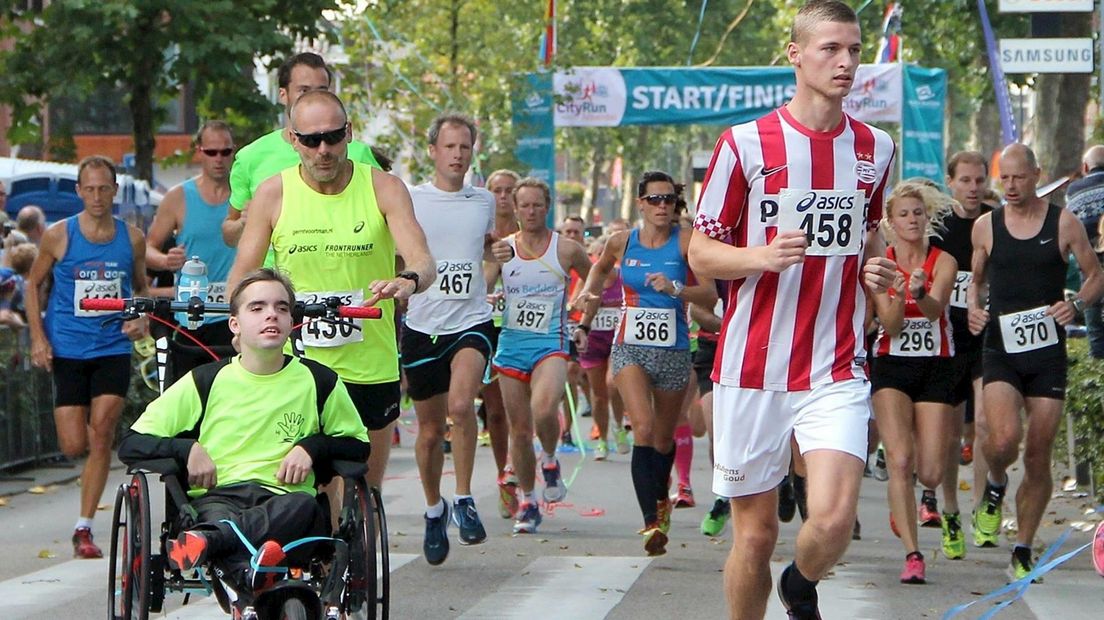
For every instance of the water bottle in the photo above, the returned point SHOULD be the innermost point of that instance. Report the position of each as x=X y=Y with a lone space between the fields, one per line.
x=192 y=282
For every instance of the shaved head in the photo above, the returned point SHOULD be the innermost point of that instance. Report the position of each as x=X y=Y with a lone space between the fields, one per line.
x=817 y=11
x=1094 y=157
x=1019 y=152
x=316 y=97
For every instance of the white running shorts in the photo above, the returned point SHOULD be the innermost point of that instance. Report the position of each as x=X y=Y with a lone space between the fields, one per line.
x=751 y=431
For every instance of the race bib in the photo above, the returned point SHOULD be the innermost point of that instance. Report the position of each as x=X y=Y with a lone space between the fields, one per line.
x=831 y=219
x=962 y=282
x=455 y=280
x=498 y=308
x=918 y=338
x=1028 y=330
x=531 y=315
x=216 y=293
x=651 y=327
x=319 y=333
x=95 y=289
x=605 y=320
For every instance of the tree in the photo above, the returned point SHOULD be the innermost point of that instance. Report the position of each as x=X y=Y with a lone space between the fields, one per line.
x=148 y=49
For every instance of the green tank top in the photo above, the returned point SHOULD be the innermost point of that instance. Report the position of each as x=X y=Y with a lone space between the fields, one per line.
x=337 y=245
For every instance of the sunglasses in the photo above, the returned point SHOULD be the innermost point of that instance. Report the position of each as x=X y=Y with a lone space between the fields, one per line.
x=657 y=199
x=312 y=140
x=213 y=152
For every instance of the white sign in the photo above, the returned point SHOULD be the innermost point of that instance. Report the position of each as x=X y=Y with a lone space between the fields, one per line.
x=1047 y=55
x=1045 y=6
x=876 y=93
x=589 y=97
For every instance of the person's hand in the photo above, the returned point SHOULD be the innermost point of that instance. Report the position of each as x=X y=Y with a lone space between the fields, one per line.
x=977 y=318
x=494 y=298
x=879 y=273
x=42 y=355
x=399 y=289
x=785 y=250
x=136 y=329
x=295 y=467
x=660 y=283
x=917 y=280
x=201 y=469
x=1063 y=312
x=582 y=301
x=501 y=251
x=175 y=258
x=579 y=337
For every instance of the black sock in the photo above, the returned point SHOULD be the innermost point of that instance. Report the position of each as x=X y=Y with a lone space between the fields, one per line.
x=663 y=464
x=643 y=473
x=796 y=586
x=919 y=555
x=1022 y=553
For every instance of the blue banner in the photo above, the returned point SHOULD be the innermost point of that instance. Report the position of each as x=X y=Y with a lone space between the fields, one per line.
x=925 y=99
x=532 y=114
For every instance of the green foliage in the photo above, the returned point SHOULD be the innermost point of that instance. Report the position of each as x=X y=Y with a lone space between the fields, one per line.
x=1085 y=403
x=570 y=193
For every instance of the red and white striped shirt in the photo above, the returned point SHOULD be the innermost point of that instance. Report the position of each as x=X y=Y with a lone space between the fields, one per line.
x=919 y=337
x=803 y=327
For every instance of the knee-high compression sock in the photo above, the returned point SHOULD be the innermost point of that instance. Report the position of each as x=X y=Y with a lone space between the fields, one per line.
x=663 y=465
x=643 y=476
x=684 y=453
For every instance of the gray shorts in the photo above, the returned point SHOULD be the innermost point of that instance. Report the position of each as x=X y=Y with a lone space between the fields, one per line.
x=669 y=369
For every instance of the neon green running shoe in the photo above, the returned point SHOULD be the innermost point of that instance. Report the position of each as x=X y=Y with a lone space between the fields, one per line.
x=987 y=518
x=1021 y=565
x=714 y=521
x=954 y=542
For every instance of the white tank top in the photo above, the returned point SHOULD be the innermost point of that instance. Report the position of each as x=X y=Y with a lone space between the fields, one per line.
x=536 y=291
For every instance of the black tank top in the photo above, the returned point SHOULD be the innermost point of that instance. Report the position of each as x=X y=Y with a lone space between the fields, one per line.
x=955 y=238
x=1024 y=273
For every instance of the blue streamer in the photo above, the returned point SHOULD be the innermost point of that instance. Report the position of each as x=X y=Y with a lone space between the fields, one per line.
x=697 y=35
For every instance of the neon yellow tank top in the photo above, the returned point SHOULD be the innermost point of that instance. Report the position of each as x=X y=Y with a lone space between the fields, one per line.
x=337 y=245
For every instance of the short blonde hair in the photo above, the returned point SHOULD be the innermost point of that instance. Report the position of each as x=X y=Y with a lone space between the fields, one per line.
x=937 y=204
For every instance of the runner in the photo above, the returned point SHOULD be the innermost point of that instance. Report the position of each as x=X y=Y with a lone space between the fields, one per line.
x=273 y=152
x=335 y=225
x=1020 y=253
x=791 y=349
x=967 y=177
x=194 y=211
x=912 y=374
x=89 y=255
x=448 y=337
x=573 y=228
x=531 y=358
x=651 y=350
x=501 y=183
x=709 y=324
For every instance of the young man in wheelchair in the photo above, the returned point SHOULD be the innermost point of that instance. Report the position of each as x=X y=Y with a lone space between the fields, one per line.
x=251 y=430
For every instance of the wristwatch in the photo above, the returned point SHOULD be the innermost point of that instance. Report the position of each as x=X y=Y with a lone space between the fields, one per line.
x=410 y=275
x=1078 y=304
x=678 y=286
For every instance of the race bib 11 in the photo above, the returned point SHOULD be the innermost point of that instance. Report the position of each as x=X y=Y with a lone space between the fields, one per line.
x=95 y=289
x=958 y=294
x=918 y=338
x=531 y=315
x=1028 y=330
x=650 y=327
x=831 y=219
x=319 y=333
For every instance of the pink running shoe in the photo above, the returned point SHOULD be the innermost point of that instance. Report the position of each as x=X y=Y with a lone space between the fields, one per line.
x=915 y=570
x=1098 y=550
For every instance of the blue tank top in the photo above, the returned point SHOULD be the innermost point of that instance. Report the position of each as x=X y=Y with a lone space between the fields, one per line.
x=648 y=317
x=201 y=235
x=89 y=270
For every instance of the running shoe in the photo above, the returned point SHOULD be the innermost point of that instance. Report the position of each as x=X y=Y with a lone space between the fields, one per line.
x=967 y=455
x=954 y=541
x=1021 y=564
x=270 y=555
x=484 y=438
x=987 y=517
x=800 y=497
x=1098 y=550
x=467 y=521
x=601 y=450
x=554 y=488
x=528 y=519
x=436 y=543
x=83 y=547
x=856 y=532
x=507 y=493
x=797 y=610
x=655 y=539
x=714 y=521
x=396 y=438
x=787 y=503
x=663 y=515
x=914 y=571
x=621 y=438
x=685 y=497
x=566 y=439
x=881 y=474
x=187 y=551
x=594 y=432
x=929 y=510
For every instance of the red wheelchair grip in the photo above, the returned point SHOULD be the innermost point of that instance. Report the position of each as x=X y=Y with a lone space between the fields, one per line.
x=109 y=304
x=359 y=312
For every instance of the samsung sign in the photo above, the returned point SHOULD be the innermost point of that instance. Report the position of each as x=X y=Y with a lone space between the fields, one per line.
x=1047 y=55
x=1045 y=6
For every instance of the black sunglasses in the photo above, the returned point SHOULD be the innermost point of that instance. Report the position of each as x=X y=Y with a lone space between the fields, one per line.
x=656 y=199
x=212 y=152
x=312 y=140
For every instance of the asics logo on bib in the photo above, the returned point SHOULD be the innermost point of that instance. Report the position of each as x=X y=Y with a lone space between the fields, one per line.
x=1027 y=319
x=100 y=287
x=824 y=202
x=645 y=315
x=730 y=475
x=450 y=267
x=302 y=248
x=359 y=227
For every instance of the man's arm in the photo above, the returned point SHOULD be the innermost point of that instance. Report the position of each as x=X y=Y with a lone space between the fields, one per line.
x=410 y=242
x=981 y=237
x=265 y=211
x=240 y=195
x=169 y=217
x=712 y=258
x=50 y=250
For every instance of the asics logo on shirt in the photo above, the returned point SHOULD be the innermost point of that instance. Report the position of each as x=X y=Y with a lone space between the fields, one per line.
x=359 y=227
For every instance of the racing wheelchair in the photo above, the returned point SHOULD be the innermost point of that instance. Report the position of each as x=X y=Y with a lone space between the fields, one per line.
x=345 y=575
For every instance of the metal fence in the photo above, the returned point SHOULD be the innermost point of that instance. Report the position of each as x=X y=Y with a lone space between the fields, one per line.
x=27 y=432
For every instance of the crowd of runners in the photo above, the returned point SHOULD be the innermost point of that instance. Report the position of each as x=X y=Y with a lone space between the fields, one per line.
x=818 y=321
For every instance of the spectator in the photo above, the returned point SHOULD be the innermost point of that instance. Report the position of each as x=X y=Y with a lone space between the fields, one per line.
x=31 y=221
x=1085 y=199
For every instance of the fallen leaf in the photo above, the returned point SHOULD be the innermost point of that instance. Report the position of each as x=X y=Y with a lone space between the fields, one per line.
x=577 y=565
x=46 y=554
x=37 y=490
x=103 y=507
x=964 y=486
x=3 y=501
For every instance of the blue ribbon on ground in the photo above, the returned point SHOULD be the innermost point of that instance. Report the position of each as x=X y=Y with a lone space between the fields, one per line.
x=1000 y=86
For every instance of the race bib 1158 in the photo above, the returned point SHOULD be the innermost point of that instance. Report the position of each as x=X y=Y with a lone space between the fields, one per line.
x=958 y=294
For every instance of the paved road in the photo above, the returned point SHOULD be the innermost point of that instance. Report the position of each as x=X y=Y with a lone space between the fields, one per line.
x=586 y=561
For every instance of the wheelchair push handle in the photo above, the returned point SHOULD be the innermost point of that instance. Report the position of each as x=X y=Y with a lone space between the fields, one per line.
x=329 y=308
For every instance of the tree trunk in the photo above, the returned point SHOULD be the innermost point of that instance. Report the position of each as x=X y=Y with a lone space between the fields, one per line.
x=142 y=115
x=1060 y=111
x=590 y=193
x=986 y=130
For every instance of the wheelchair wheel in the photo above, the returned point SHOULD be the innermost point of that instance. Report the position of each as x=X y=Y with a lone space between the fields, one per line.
x=128 y=584
x=293 y=609
x=366 y=592
x=384 y=593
